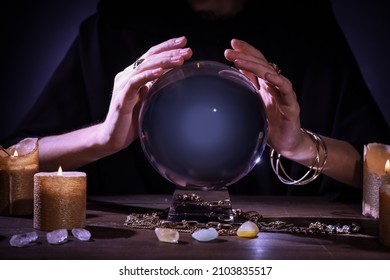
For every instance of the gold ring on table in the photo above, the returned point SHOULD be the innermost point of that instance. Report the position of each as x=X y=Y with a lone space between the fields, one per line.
x=138 y=62
x=276 y=67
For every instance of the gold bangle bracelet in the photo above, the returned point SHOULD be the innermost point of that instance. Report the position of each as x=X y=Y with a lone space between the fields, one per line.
x=315 y=168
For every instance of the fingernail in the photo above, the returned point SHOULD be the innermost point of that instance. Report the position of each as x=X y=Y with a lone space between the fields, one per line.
x=268 y=76
x=175 y=58
x=156 y=71
x=179 y=40
x=184 y=50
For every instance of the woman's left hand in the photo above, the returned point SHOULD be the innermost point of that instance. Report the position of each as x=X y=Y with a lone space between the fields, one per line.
x=277 y=92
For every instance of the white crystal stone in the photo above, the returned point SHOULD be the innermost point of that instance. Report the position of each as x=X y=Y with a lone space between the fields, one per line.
x=81 y=234
x=248 y=229
x=205 y=234
x=57 y=236
x=167 y=235
x=24 y=239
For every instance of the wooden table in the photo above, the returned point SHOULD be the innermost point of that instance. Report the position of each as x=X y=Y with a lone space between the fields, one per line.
x=112 y=240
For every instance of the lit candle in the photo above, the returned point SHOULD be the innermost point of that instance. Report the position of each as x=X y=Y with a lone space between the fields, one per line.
x=18 y=164
x=59 y=200
x=384 y=210
x=375 y=175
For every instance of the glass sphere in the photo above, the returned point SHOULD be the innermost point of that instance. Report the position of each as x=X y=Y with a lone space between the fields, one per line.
x=203 y=125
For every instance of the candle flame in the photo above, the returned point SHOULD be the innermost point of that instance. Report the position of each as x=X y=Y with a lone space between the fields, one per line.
x=15 y=154
x=387 y=166
x=59 y=173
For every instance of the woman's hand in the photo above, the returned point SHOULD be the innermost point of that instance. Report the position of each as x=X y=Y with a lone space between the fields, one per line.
x=83 y=146
x=277 y=93
x=285 y=135
x=130 y=86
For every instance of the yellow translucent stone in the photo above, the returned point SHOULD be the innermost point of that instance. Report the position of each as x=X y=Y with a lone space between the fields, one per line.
x=167 y=235
x=248 y=230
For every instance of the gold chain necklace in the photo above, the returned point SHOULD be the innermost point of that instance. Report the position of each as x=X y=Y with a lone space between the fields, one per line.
x=156 y=219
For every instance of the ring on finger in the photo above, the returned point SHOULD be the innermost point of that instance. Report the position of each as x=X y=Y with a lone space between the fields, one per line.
x=275 y=67
x=137 y=62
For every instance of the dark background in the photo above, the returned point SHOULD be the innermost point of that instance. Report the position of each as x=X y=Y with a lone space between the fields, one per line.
x=36 y=35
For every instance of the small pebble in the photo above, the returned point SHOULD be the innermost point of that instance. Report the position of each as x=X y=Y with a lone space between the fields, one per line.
x=248 y=229
x=24 y=239
x=58 y=236
x=81 y=234
x=167 y=235
x=205 y=234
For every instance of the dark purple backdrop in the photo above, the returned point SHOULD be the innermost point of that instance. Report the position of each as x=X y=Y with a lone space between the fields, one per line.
x=37 y=34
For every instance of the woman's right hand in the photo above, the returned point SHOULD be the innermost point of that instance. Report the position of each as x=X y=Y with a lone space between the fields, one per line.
x=120 y=127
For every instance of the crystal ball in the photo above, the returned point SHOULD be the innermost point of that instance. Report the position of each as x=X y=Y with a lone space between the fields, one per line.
x=203 y=125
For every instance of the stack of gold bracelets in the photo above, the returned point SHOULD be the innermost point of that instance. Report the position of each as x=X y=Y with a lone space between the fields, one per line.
x=314 y=170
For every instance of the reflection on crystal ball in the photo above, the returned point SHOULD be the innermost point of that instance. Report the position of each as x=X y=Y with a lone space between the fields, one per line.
x=203 y=125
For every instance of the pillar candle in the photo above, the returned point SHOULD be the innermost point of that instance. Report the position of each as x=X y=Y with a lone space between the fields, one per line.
x=18 y=164
x=384 y=214
x=59 y=200
x=374 y=176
